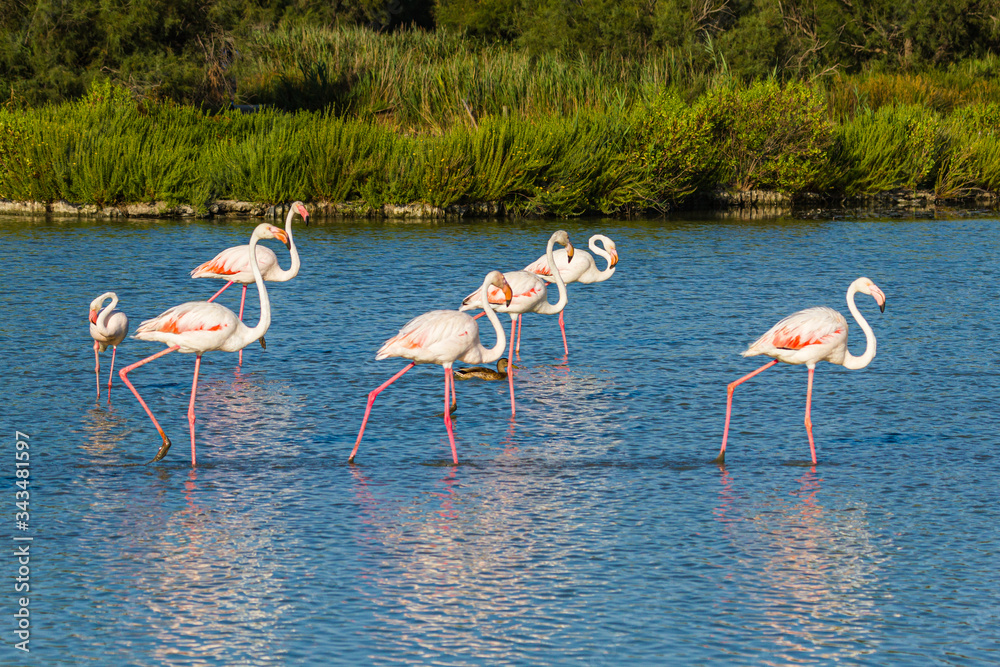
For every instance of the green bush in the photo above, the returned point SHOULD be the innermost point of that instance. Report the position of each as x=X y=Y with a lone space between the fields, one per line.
x=672 y=149
x=767 y=135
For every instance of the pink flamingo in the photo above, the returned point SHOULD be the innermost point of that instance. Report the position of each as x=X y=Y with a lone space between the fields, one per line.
x=441 y=337
x=583 y=270
x=530 y=296
x=808 y=336
x=107 y=328
x=202 y=326
x=233 y=264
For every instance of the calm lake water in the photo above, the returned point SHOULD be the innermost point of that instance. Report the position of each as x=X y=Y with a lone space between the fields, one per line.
x=593 y=529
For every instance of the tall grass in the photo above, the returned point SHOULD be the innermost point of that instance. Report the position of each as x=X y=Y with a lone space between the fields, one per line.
x=414 y=79
x=613 y=157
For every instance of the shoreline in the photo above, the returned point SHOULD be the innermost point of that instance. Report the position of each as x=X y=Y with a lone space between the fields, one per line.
x=764 y=202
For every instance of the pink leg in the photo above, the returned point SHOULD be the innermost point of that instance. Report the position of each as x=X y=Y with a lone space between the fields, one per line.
x=454 y=400
x=809 y=424
x=123 y=374
x=371 y=400
x=562 y=326
x=194 y=390
x=97 y=370
x=510 y=372
x=224 y=288
x=520 y=323
x=114 y=350
x=449 y=380
x=729 y=405
x=243 y=300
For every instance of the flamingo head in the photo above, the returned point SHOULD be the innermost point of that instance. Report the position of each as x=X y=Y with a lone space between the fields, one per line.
x=268 y=231
x=496 y=279
x=562 y=238
x=607 y=244
x=300 y=208
x=866 y=286
x=95 y=305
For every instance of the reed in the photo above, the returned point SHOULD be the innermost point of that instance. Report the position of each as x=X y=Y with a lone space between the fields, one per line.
x=879 y=150
x=651 y=153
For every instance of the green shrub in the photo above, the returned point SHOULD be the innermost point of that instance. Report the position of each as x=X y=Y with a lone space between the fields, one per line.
x=767 y=135
x=672 y=148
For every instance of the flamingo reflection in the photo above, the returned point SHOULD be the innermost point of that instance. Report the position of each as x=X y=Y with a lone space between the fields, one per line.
x=819 y=567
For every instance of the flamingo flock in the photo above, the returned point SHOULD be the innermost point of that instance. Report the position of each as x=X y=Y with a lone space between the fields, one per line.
x=444 y=337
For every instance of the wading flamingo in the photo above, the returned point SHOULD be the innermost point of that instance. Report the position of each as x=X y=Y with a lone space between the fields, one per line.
x=530 y=296
x=202 y=326
x=441 y=337
x=233 y=264
x=108 y=328
x=582 y=270
x=808 y=336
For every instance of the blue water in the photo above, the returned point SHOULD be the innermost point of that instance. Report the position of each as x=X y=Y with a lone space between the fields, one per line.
x=593 y=529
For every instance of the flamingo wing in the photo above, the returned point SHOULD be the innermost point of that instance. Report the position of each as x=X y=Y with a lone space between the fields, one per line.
x=434 y=337
x=235 y=261
x=188 y=318
x=812 y=326
x=570 y=271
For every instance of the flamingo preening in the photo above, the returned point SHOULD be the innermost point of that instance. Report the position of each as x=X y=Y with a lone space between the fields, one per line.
x=530 y=296
x=233 y=264
x=203 y=326
x=582 y=270
x=809 y=336
x=108 y=328
x=442 y=337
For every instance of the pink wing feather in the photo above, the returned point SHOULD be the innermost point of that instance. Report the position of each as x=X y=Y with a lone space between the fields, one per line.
x=185 y=318
x=812 y=326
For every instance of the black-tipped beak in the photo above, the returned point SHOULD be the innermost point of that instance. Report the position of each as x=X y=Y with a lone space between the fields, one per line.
x=569 y=253
x=881 y=307
x=305 y=219
x=507 y=293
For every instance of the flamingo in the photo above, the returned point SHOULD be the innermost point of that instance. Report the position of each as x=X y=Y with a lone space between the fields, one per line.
x=108 y=328
x=530 y=296
x=442 y=337
x=808 y=336
x=233 y=264
x=584 y=270
x=203 y=326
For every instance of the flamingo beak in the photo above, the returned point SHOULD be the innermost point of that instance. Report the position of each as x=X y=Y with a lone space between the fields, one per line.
x=283 y=237
x=304 y=213
x=569 y=252
x=93 y=317
x=507 y=292
x=879 y=298
x=614 y=257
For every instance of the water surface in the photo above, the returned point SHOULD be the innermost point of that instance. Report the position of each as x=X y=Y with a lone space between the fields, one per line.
x=593 y=529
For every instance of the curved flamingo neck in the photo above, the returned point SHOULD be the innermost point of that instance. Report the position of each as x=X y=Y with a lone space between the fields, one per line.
x=102 y=317
x=550 y=308
x=495 y=352
x=265 y=304
x=281 y=275
x=603 y=252
x=850 y=361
